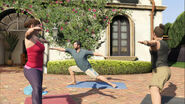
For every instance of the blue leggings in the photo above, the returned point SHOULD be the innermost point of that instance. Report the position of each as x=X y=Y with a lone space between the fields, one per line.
x=35 y=78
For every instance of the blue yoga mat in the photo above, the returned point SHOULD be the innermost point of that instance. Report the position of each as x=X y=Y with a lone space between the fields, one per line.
x=98 y=85
x=28 y=90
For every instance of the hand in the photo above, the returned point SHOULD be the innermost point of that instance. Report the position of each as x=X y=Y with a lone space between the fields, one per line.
x=105 y=57
x=143 y=42
x=52 y=48
x=43 y=40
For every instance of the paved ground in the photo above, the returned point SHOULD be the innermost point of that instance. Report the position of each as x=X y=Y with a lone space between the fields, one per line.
x=12 y=83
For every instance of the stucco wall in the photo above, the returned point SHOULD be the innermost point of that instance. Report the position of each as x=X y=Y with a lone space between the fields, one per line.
x=57 y=55
x=142 y=32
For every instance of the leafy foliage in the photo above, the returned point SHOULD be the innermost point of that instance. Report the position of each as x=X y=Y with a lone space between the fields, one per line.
x=103 y=67
x=166 y=28
x=12 y=40
x=176 y=32
x=81 y=20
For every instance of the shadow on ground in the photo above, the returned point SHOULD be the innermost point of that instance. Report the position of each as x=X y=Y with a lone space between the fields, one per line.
x=13 y=69
x=78 y=97
x=169 y=91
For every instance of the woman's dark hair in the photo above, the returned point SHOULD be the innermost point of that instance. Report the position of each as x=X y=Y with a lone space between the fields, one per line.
x=159 y=30
x=33 y=22
x=78 y=43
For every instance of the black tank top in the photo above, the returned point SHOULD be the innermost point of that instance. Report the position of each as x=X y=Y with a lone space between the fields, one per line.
x=159 y=58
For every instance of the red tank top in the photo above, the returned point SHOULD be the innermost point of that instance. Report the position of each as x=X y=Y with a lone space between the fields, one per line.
x=35 y=55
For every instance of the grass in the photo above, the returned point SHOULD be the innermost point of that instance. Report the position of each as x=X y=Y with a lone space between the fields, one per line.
x=177 y=64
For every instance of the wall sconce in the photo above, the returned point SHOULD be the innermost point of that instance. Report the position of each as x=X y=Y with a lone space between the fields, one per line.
x=55 y=32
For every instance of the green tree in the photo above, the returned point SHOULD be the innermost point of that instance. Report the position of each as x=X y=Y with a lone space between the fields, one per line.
x=176 y=32
x=166 y=28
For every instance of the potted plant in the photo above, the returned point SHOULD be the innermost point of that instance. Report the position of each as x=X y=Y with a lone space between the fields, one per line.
x=11 y=40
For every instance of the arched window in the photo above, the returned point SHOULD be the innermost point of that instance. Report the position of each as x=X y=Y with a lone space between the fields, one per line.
x=120 y=37
x=13 y=23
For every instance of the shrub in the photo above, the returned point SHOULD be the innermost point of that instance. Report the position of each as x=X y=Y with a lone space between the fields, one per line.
x=166 y=28
x=176 y=32
x=103 y=67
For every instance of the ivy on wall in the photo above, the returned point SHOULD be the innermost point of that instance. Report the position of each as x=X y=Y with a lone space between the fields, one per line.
x=82 y=20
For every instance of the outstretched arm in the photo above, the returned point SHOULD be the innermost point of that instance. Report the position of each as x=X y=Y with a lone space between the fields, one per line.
x=151 y=43
x=31 y=30
x=58 y=49
x=98 y=54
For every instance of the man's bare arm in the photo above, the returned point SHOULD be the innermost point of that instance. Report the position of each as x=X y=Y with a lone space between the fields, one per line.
x=152 y=43
x=98 y=54
x=58 y=49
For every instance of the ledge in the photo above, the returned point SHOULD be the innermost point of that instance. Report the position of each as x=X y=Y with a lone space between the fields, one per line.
x=126 y=58
x=134 y=6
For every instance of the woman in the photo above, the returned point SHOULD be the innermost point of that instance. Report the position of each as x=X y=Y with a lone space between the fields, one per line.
x=35 y=49
x=160 y=70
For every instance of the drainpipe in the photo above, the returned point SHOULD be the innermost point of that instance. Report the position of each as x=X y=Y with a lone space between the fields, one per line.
x=152 y=18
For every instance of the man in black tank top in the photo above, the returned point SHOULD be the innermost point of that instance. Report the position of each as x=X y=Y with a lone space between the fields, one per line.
x=160 y=70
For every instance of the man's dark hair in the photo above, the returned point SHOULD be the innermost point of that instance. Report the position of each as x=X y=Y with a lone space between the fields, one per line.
x=78 y=43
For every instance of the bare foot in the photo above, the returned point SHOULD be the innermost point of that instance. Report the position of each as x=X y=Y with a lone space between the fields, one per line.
x=114 y=85
x=44 y=87
x=72 y=83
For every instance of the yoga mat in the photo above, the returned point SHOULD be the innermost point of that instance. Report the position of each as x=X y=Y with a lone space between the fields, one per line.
x=28 y=90
x=53 y=99
x=98 y=85
x=165 y=100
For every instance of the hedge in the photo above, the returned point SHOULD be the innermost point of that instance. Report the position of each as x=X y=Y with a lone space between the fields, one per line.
x=103 y=67
x=177 y=64
x=176 y=32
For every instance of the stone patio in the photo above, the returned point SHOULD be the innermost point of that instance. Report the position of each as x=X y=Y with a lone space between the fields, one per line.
x=12 y=83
